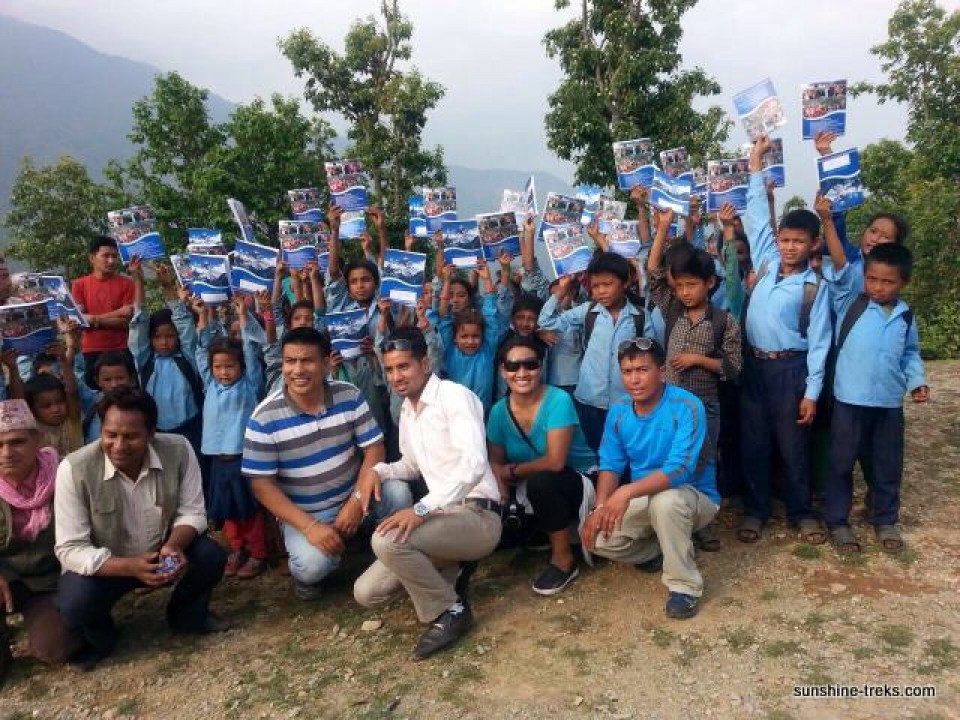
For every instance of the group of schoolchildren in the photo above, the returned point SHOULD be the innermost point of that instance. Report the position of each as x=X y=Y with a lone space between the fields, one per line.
x=801 y=363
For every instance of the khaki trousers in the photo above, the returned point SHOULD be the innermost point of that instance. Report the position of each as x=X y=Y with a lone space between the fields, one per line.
x=663 y=523
x=426 y=564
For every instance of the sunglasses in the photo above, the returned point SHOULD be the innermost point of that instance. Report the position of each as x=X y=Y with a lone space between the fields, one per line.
x=526 y=364
x=400 y=344
x=640 y=343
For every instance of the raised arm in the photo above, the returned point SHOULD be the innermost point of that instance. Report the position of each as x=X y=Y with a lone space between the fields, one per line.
x=333 y=265
x=824 y=209
x=640 y=196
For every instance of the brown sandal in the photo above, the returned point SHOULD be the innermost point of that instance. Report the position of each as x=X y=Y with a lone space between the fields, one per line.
x=749 y=530
x=812 y=532
x=889 y=538
x=844 y=541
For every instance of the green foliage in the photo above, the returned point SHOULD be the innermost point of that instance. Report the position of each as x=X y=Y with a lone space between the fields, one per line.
x=794 y=203
x=56 y=210
x=920 y=182
x=622 y=79
x=385 y=103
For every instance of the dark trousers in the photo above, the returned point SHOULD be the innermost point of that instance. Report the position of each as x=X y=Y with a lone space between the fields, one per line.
x=770 y=397
x=730 y=474
x=592 y=420
x=48 y=639
x=874 y=436
x=86 y=601
x=556 y=498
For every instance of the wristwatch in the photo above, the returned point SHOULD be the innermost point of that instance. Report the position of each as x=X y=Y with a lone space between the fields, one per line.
x=420 y=510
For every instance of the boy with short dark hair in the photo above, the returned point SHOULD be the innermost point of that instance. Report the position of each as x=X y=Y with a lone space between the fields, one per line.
x=606 y=321
x=786 y=321
x=877 y=361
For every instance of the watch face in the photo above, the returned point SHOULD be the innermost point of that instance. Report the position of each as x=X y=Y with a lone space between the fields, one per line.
x=420 y=510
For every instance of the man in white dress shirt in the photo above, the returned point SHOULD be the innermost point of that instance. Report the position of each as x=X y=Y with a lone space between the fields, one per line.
x=442 y=440
x=129 y=513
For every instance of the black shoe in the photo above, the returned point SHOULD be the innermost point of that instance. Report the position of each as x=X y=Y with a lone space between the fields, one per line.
x=307 y=592
x=86 y=658
x=212 y=625
x=444 y=631
x=707 y=538
x=681 y=606
x=6 y=658
x=467 y=569
x=552 y=580
x=653 y=565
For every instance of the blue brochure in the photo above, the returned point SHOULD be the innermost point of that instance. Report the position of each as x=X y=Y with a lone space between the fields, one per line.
x=634 y=162
x=839 y=176
x=759 y=109
x=522 y=202
x=211 y=278
x=26 y=327
x=727 y=182
x=59 y=300
x=136 y=234
x=624 y=238
x=403 y=274
x=699 y=177
x=671 y=192
x=242 y=218
x=252 y=267
x=560 y=210
x=417 y=220
x=439 y=204
x=347 y=331
x=306 y=204
x=566 y=248
x=607 y=212
x=773 y=164
x=676 y=162
x=824 y=107
x=590 y=194
x=498 y=231
x=347 y=183
x=353 y=223
x=298 y=242
x=461 y=243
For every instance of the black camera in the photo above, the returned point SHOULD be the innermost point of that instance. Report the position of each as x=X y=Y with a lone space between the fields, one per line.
x=513 y=512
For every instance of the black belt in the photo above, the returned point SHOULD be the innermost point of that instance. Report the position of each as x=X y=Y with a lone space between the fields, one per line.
x=485 y=504
x=774 y=354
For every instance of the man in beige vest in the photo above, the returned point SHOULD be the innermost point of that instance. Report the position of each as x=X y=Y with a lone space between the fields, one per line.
x=129 y=513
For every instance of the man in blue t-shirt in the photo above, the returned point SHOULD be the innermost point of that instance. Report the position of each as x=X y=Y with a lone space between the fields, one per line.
x=658 y=434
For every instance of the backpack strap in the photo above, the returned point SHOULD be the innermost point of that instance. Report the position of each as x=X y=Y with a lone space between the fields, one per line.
x=590 y=319
x=856 y=309
x=185 y=368
x=806 y=304
x=748 y=293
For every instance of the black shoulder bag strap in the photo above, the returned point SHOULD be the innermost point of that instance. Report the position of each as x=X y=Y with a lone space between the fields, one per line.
x=513 y=418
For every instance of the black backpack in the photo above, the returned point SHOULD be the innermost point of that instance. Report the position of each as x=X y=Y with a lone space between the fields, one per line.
x=856 y=310
x=186 y=369
x=716 y=316
x=590 y=320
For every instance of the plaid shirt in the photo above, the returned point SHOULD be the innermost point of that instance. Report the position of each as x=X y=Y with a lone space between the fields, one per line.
x=696 y=337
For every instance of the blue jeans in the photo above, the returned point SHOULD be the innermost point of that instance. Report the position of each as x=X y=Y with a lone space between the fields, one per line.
x=308 y=563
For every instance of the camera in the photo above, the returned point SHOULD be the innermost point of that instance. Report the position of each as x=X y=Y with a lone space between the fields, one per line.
x=513 y=512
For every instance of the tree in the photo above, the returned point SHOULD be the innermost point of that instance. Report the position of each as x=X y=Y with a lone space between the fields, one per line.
x=186 y=166
x=920 y=182
x=384 y=102
x=794 y=203
x=622 y=79
x=55 y=210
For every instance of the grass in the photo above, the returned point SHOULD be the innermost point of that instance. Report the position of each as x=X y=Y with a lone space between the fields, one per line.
x=864 y=652
x=817 y=675
x=814 y=621
x=577 y=654
x=769 y=595
x=907 y=556
x=127 y=706
x=939 y=655
x=662 y=637
x=739 y=639
x=779 y=715
x=806 y=552
x=896 y=637
x=779 y=648
x=690 y=649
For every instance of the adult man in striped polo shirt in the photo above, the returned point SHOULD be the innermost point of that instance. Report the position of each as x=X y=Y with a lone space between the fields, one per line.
x=303 y=450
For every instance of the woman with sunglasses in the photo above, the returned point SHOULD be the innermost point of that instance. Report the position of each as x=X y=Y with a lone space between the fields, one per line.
x=535 y=442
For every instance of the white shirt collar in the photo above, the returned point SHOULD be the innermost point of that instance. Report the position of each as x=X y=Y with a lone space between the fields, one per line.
x=152 y=463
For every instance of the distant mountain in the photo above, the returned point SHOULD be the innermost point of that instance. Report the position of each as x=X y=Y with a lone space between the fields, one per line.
x=61 y=97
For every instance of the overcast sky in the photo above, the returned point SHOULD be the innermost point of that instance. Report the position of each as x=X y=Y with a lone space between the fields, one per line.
x=489 y=55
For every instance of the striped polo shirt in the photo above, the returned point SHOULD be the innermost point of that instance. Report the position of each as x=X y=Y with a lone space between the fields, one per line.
x=315 y=458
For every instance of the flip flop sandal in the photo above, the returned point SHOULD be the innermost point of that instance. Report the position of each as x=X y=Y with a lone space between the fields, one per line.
x=812 y=532
x=749 y=530
x=845 y=542
x=889 y=538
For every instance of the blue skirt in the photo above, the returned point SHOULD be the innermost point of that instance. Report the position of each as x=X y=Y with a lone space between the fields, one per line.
x=230 y=494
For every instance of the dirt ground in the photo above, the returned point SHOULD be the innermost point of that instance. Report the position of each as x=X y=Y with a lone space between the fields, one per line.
x=776 y=615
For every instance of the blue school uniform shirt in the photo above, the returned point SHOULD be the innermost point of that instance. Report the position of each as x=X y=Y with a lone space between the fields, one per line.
x=226 y=408
x=168 y=386
x=564 y=357
x=853 y=253
x=880 y=359
x=670 y=438
x=599 y=384
x=556 y=411
x=773 y=317
x=473 y=371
